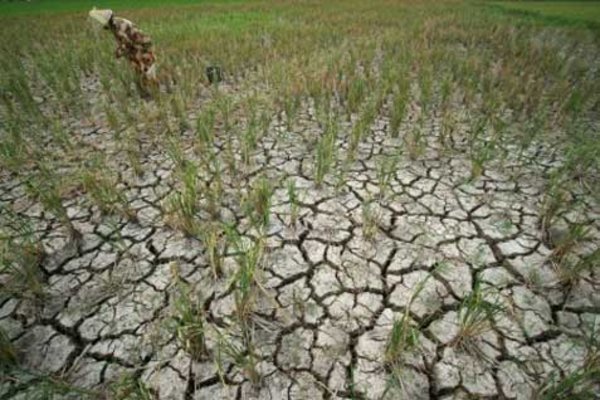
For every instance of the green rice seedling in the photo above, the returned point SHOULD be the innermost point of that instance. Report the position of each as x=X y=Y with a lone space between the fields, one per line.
x=579 y=384
x=292 y=193
x=205 y=125
x=576 y=234
x=591 y=342
x=229 y=156
x=403 y=339
x=248 y=256
x=180 y=113
x=398 y=110
x=370 y=220
x=225 y=107
x=14 y=150
x=213 y=189
x=291 y=104
x=188 y=321
x=35 y=385
x=45 y=187
x=446 y=89
x=478 y=149
x=386 y=169
x=60 y=136
x=8 y=353
x=341 y=175
x=103 y=191
x=356 y=94
x=555 y=198
x=480 y=155
x=176 y=154
x=414 y=141
x=264 y=122
x=133 y=153
x=323 y=110
x=475 y=315
x=212 y=237
x=181 y=206
x=448 y=128
x=531 y=129
x=249 y=140
x=362 y=126
x=112 y=118
x=20 y=256
x=326 y=151
x=258 y=203
x=242 y=356
x=570 y=272
x=404 y=336
x=130 y=387
x=426 y=88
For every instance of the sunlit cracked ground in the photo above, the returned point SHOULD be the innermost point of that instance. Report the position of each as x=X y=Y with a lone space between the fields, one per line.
x=328 y=295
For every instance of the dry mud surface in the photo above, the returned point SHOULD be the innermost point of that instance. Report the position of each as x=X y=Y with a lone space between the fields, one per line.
x=328 y=295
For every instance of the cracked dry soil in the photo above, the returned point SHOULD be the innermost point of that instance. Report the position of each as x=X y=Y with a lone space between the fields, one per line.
x=330 y=295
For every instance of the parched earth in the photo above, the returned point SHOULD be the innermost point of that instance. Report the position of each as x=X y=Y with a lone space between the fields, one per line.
x=328 y=295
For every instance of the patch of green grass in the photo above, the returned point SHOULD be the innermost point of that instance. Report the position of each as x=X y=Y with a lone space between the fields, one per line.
x=188 y=320
x=556 y=12
x=8 y=354
x=62 y=6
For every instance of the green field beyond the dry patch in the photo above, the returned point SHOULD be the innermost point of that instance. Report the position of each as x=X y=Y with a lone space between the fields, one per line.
x=32 y=7
x=567 y=11
x=378 y=200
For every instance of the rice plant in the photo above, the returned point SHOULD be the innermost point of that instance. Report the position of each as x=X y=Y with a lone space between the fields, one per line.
x=554 y=200
x=104 y=192
x=292 y=193
x=248 y=255
x=46 y=187
x=8 y=353
x=131 y=147
x=356 y=94
x=205 y=125
x=20 y=256
x=130 y=387
x=414 y=142
x=580 y=383
x=481 y=153
x=14 y=150
x=402 y=340
x=249 y=139
x=188 y=321
x=475 y=315
x=35 y=385
x=370 y=220
x=213 y=189
x=292 y=103
x=326 y=150
x=242 y=356
x=362 y=126
x=576 y=234
x=572 y=271
x=257 y=204
x=175 y=152
x=386 y=170
x=181 y=207
x=213 y=239
x=60 y=136
x=398 y=110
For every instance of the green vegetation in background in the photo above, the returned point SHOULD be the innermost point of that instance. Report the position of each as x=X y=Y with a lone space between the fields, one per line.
x=585 y=13
x=58 y=6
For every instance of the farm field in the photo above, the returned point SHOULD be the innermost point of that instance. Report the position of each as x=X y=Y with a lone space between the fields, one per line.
x=391 y=199
x=567 y=12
